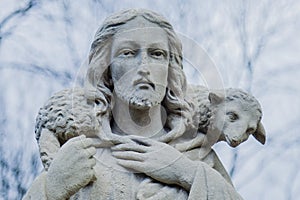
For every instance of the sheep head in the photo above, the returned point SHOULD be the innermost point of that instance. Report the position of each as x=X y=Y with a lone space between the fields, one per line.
x=236 y=116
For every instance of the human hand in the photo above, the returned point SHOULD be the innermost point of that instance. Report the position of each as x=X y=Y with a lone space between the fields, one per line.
x=156 y=159
x=71 y=169
x=152 y=190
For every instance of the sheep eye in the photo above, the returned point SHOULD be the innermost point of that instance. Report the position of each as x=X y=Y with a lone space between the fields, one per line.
x=232 y=116
x=97 y=102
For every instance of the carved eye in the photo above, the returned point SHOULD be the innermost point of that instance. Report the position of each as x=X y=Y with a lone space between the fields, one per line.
x=127 y=53
x=232 y=116
x=158 y=53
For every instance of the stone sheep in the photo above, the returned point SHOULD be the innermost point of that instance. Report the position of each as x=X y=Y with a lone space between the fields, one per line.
x=68 y=113
x=231 y=116
x=71 y=113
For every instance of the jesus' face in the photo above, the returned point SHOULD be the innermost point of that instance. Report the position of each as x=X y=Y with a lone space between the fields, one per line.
x=139 y=63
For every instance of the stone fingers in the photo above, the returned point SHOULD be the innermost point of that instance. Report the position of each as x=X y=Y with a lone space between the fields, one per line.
x=87 y=142
x=129 y=155
x=90 y=152
x=131 y=164
x=130 y=147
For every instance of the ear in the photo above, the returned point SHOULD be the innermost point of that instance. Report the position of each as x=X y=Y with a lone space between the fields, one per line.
x=260 y=134
x=215 y=98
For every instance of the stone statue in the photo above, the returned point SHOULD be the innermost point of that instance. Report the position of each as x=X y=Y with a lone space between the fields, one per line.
x=231 y=116
x=127 y=133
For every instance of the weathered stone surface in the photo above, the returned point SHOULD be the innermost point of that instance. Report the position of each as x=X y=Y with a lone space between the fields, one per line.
x=231 y=115
x=125 y=135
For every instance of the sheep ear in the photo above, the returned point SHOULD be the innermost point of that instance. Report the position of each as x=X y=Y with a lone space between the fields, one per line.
x=215 y=98
x=260 y=133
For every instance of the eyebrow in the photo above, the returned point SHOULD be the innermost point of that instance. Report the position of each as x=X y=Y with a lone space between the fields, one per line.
x=135 y=44
x=127 y=43
x=159 y=45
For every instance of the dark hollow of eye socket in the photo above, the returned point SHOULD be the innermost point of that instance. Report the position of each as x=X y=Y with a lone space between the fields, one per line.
x=158 y=53
x=97 y=102
x=232 y=116
x=128 y=53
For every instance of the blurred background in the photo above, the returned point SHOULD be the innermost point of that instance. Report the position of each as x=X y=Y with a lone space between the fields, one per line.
x=253 y=44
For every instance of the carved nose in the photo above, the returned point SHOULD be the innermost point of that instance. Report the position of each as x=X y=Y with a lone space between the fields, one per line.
x=144 y=57
x=234 y=143
x=143 y=71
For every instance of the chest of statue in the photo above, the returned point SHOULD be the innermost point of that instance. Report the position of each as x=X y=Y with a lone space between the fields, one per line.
x=113 y=181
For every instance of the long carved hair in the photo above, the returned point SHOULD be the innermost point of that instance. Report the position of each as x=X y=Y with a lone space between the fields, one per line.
x=99 y=77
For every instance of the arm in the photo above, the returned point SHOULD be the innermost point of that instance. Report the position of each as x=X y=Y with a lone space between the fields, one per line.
x=191 y=144
x=48 y=146
x=37 y=189
x=167 y=165
x=208 y=184
x=70 y=170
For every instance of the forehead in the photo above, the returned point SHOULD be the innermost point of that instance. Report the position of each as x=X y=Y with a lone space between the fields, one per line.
x=243 y=108
x=142 y=32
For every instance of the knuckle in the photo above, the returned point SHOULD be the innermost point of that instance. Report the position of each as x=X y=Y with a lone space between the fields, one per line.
x=87 y=142
x=77 y=138
x=81 y=154
x=90 y=174
x=93 y=162
x=93 y=150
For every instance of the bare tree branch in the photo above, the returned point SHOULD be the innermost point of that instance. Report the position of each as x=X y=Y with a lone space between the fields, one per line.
x=63 y=77
x=15 y=14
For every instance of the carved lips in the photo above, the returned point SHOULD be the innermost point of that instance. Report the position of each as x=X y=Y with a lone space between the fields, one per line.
x=144 y=83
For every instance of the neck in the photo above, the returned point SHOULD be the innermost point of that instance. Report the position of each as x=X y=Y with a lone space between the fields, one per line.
x=130 y=120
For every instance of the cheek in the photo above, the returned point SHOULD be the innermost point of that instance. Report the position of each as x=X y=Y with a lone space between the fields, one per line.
x=164 y=74
x=160 y=75
x=246 y=136
x=234 y=129
x=118 y=70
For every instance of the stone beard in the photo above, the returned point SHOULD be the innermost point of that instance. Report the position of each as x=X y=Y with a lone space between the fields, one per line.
x=139 y=94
